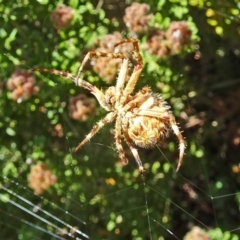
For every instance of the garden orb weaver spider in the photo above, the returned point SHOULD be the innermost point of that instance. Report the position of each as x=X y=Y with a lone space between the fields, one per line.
x=142 y=118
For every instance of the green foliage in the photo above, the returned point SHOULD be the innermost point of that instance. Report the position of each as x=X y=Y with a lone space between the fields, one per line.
x=201 y=86
x=217 y=233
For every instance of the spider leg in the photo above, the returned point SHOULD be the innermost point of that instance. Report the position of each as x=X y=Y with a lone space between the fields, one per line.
x=151 y=113
x=130 y=85
x=93 y=54
x=134 y=152
x=139 y=99
x=182 y=144
x=118 y=136
x=109 y=118
x=136 y=51
x=79 y=82
x=122 y=76
x=136 y=72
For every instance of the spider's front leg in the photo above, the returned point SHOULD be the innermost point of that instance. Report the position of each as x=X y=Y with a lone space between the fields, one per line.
x=79 y=82
x=136 y=51
x=182 y=143
x=93 y=54
x=137 y=69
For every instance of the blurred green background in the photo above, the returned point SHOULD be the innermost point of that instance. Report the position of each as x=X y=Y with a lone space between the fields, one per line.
x=90 y=190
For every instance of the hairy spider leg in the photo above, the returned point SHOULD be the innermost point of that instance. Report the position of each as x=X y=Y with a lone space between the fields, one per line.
x=118 y=139
x=152 y=113
x=134 y=152
x=136 y=51
x=108 y=119
x=138 y=99
x=79 y=82
x=182 y=144
x=136 y=72
x=93 y=54
x=121 y=79
x=130 y=85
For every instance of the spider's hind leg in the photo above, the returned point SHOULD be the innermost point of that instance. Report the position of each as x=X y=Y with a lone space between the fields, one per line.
x=182 y=143
x=134 y=152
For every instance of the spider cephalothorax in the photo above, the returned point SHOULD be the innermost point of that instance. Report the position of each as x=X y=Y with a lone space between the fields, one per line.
x=142 y=118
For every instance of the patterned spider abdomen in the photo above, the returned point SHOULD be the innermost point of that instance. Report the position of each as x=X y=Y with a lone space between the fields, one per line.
x=149 y=124
x=147 y=132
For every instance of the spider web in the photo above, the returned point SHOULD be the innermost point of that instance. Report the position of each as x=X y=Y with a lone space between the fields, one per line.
x=152 y=210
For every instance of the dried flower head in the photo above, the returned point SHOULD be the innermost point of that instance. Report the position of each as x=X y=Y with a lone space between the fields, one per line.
x=81 y=107
x=178 y=36
x=62 y=16
x=40 y=178
x=22 y=85
x=157 y=44
x=137 y=17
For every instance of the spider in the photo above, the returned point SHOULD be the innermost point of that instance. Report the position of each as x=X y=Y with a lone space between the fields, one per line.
x=143 y=119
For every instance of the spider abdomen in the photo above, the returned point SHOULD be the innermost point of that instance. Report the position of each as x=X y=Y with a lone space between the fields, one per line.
x=147 y=132
x=148 y=122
